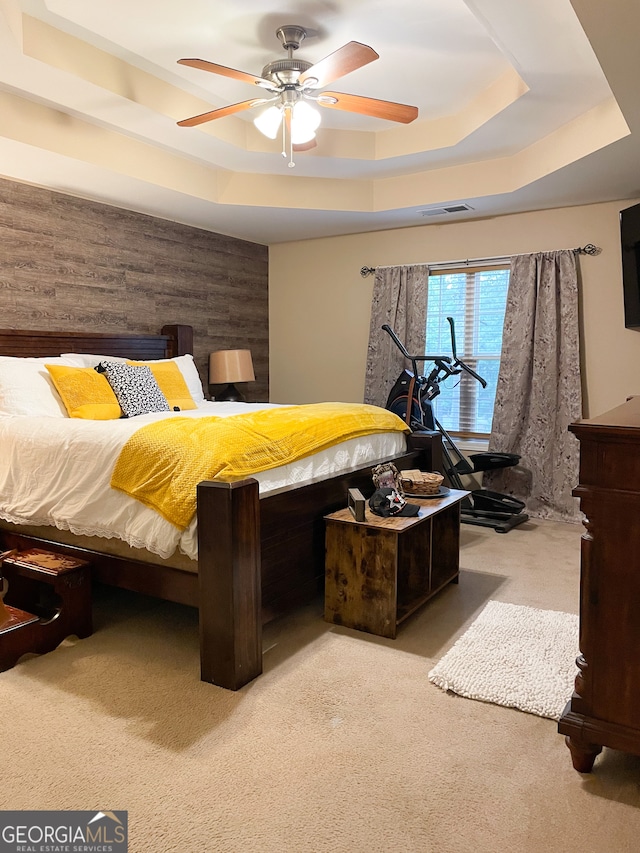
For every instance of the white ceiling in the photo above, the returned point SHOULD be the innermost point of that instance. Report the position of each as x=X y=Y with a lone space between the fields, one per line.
x=522 y=105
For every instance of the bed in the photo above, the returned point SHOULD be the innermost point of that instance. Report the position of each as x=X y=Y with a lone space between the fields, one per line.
x=257 y=555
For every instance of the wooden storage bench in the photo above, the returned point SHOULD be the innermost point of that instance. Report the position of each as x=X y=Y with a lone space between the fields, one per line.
x=381 y=570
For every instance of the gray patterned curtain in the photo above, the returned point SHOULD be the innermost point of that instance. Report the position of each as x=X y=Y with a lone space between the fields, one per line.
x=539 y=393
x=399 y=299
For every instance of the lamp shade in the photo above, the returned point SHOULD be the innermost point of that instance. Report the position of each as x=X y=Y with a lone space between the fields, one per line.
x=230 y=365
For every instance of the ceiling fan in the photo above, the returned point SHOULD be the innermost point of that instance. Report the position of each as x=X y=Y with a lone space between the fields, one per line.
x=292 y=83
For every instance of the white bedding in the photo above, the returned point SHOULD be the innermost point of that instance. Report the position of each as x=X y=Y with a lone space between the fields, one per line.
x=56 y=471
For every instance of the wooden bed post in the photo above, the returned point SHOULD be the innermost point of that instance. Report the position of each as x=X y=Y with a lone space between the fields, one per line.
x=183 y=336
x=229 y=582
x=429 y=442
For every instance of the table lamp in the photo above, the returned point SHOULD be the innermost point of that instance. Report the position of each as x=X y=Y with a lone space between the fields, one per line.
x=230 y=366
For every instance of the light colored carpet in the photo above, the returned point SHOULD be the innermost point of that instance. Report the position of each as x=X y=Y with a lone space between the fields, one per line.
x=513 y=655
x=341 y=746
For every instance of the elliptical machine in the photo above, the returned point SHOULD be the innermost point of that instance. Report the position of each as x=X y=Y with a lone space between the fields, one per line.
x=410 y=398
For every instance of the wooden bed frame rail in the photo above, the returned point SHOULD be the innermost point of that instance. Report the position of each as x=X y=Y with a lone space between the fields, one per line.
x=257 y=557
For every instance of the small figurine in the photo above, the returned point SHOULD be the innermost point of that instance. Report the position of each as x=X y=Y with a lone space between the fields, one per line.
x=387 y=476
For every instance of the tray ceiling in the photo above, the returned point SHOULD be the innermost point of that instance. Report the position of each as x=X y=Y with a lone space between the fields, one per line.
x=518 y=109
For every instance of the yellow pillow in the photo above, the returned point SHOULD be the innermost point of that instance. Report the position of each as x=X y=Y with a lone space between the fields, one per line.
x=172 y=383
x=85 y=392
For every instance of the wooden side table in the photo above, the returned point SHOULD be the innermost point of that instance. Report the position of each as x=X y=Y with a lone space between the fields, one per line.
x=381 y=570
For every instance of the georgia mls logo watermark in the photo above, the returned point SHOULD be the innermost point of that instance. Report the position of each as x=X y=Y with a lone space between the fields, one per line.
x=63 y=832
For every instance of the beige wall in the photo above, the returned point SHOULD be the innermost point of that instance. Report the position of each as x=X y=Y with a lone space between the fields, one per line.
x=319 y=302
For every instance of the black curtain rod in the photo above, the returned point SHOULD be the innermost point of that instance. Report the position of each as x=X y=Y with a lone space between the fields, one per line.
x=589 y=249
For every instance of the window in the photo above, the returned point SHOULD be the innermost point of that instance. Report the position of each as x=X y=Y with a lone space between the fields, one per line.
x=475 y=298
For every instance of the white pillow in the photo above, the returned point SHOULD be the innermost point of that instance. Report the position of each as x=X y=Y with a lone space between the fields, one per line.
x=186 y=365
x=26 y=387
x=85 y=359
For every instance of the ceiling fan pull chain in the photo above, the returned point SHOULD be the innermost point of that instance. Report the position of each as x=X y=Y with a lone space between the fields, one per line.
x=286 y=128
x=291 y=164
x=284 y=137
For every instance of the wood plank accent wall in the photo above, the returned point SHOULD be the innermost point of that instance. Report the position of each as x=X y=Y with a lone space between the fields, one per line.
x=74 y=265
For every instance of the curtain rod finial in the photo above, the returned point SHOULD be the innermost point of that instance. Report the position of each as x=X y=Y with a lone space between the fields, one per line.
x=589 y=249
x=365 y=271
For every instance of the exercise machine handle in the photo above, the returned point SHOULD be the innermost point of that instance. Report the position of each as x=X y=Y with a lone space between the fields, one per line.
x=456 y=361
x=475 y=375
x=452 y=329
x=387 y=328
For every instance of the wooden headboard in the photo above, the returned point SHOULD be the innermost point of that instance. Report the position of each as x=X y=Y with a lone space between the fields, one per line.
x=173 y=340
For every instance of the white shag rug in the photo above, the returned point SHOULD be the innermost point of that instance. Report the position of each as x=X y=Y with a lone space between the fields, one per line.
x=515 y=656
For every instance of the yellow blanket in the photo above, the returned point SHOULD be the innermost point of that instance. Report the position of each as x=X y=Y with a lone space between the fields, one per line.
x=163 y=462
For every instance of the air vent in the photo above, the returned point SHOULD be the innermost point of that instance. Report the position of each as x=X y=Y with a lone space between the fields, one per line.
x=444 y=211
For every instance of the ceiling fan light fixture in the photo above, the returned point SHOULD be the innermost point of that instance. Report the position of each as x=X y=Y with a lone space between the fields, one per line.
x=268 y=121
x=304 y=123
x=292 y=83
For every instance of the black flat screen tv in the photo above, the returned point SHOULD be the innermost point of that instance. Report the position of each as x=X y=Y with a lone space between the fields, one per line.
x=630 y=238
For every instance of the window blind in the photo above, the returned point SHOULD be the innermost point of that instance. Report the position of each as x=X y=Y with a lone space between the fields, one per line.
x=475 y=297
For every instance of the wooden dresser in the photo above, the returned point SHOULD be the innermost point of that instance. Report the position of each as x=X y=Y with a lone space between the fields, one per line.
x=605 y=707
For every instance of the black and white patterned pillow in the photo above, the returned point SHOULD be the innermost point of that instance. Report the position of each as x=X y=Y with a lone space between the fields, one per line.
x=135 y=388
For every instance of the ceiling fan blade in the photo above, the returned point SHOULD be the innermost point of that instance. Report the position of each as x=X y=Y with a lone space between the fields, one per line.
x=223 y=111
x=342 y=61
x=305 y=146
x=204 y=65
x=368 y=106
